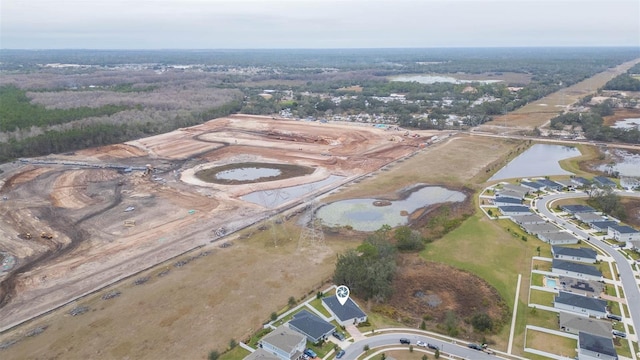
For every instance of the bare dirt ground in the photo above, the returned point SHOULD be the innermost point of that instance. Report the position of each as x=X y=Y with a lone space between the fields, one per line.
x=422 y=289
x=94 y=241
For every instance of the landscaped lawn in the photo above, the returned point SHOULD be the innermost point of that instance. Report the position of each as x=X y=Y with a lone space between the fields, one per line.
x=551 y=343
x=317 y=304
x=542 y=318
x=237 y=353
x=541 y=298
x=537 y=279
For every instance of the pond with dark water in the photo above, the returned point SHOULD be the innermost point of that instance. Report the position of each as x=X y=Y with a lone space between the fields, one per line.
x=251 y=172
x=538 y=160
x=364 y=215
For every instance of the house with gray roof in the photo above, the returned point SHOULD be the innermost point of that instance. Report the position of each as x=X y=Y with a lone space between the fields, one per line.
x=602 y=226
x=510 y=194
x=515 y=210
x=580 y=181
x=574 y=324
x=516 y=188
x=311 y=326
x=532 y=219
x=261 y=354
x=544 y=228
x=349 y=313
x=583 y=254
x=579 y=304
x=550 y=184
x=623 y=233
x=284 y=343
x=575 y=270
x=533 y=185
x=588 y=217
x=604 y=182
x=574 y=209
x=566 y=184
x=506 y=201
x=594 y=347
x=558 y=238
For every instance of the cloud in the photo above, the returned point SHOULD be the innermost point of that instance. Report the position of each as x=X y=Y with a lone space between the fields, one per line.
x=316 y=23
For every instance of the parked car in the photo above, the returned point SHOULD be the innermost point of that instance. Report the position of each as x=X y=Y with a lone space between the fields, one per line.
x=614 y=317
x=433 y=347
x=619 y=333
x=338 y=335
x=474 y=346
x=340 y=354
x=421 y=343
x=310 y=353
x=405 y=341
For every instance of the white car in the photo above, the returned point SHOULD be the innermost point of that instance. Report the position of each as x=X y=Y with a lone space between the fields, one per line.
x=421 y=343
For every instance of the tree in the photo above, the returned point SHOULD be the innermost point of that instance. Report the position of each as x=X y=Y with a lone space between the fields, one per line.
x=292 y=301
x=383 y=356
x=213 y=355
x=232 y=343
x=274 y=316
x=538 y=250
x=408 y=240
x=365 y=348
x=482 y=322
x=437 y=354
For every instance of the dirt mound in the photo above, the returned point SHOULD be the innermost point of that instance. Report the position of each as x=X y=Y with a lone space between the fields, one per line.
x=429 y=290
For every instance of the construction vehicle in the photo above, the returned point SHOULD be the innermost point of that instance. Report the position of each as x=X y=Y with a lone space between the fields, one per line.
x=46 y=235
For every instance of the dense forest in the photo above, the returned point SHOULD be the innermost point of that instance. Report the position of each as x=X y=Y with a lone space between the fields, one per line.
x=626 y=82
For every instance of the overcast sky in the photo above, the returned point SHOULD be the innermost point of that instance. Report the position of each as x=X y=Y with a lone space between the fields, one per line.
x=238 y=24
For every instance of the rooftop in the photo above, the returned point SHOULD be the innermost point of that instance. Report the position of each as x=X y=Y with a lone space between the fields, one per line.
x=261 y=354
x=584 y=324
x=604 y=181
x=310 y=324
x=575 y=267
x=582 y=252
x=595 y=343
x=349 y=310
x=581 y=301
x=624 y=229
x=533 y=184
x=514 y=208
x=284 y=338
x=507 y=200
x=577 y=209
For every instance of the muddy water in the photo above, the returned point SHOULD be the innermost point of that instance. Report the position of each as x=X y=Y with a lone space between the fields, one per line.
x=363 y=215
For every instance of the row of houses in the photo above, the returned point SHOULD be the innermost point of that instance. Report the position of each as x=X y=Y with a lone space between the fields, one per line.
x=578 y=304
x=289 y=341
x=614 y=229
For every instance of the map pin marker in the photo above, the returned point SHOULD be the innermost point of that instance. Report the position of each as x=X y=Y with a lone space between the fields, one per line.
x=342 y=293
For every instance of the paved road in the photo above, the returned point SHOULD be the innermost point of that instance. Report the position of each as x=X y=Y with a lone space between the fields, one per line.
x=631 y=290
x=459 y=350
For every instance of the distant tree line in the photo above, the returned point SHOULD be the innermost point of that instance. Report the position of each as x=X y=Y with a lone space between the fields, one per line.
x=17 y=111
x=99 y=134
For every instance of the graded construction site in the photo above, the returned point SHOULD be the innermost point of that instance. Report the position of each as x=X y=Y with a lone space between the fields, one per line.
x=73 y=223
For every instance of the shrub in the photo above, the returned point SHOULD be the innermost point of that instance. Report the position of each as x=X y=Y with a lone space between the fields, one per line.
x=213 y=355
x=274 y=316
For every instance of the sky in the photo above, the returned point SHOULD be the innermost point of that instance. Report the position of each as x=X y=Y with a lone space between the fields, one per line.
x=259 y=24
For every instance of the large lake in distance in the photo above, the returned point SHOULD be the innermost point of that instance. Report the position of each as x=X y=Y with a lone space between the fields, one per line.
x=538 y=160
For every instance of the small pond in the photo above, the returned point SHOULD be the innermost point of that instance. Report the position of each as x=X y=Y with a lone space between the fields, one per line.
x=538 y=160
x=363 y=215
x=628 y=124
x=248 y=173
x=274 y=198
x=626 y=163
x=251 y=172
x=432 y=79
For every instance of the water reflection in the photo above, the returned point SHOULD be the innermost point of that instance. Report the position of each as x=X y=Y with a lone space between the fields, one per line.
x=248 y=173
x=538 y=160
x=363 y=215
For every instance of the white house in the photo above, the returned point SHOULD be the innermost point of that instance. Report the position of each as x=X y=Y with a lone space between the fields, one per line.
x=532 y=219
x=516 y=210
x=588 y=217
x=623 y=233
x=284 y=343
x=558 y=238
x=574 y=324
x=579 y=304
